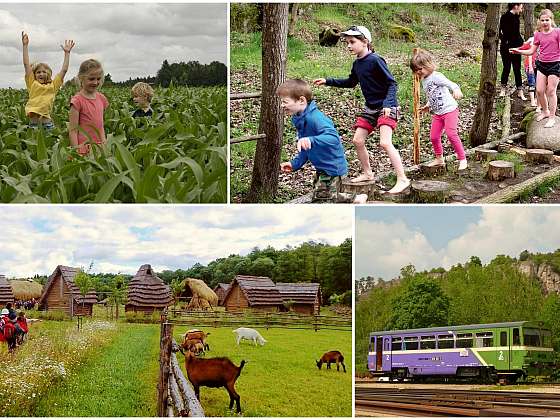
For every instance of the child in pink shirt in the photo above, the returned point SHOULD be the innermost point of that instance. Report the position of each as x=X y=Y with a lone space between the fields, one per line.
x=548 y=66
x=86 y=108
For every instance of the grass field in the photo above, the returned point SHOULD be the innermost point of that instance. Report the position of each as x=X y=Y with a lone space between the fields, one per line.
x=177 y=156
x=281 y=378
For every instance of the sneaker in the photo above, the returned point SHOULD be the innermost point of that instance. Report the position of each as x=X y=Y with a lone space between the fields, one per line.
x=521 y=95
x=462 y=165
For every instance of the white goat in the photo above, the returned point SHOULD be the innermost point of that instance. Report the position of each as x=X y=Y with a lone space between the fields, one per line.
x=249 y=334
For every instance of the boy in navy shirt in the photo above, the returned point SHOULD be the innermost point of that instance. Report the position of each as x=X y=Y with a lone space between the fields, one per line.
x=318 y=142
x=142 y=94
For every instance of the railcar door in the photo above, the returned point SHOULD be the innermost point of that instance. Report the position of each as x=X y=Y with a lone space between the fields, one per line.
x=387 y=360
x=504 y=351
x=379 y=353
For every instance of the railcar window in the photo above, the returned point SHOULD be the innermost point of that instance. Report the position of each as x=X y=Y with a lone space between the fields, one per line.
x=428 y=342
x=547 y=339
x=516 y=338
x=503 y=338
x=484 y=339
x=531 y=337
x=464 y=340
x=396 y=343
x=445 y=341
x=411 y=343
x=371 y=344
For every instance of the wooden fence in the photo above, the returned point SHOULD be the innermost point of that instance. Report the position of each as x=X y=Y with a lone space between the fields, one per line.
x=267 y=320
x=175 y=394
x=240 y=96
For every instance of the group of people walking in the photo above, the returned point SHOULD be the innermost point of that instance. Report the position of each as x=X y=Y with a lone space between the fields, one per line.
x=542 y=63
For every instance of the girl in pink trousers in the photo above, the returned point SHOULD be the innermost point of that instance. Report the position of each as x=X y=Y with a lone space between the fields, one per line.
x=441 y=94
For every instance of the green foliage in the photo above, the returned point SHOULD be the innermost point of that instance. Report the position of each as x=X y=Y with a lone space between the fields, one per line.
x=177 y=156
x=84 y=281
x=422 y=304
x=243 y=17
x=55 y=315
x=402 y=32
x=513 y=158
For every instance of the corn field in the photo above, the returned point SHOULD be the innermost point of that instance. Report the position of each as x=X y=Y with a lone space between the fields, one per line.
x=178 y=155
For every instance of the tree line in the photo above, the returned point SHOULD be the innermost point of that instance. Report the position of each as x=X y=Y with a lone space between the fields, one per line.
x=469 y=293
x=191 y=73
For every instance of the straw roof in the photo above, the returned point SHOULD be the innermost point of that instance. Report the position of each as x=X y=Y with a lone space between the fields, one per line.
x=304 y=293
x=68 y=274
x=147 y=289
x=200 y=289
x=223 y=286
x=259 y=291
x=26 y=289
x=6 y=292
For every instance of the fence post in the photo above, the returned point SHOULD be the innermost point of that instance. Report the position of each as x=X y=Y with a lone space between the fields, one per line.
x=166 y=335
x=315 y=323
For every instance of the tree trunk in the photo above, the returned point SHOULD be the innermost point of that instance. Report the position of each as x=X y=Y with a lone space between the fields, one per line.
x=528 y=21
x=266 y=166
x=293 y=18
x=488 y=74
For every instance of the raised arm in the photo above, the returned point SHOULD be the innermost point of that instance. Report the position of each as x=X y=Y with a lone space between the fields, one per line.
x=25 y=42
x=67 y=47
x=529 y=51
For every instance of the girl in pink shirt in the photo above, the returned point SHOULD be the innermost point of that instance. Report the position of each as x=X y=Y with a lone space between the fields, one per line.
x=548 y=66
x=86 y=108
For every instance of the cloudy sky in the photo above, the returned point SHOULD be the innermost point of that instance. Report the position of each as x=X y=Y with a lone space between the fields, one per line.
x=130 y=40
x=389 y=238
x=120 y=238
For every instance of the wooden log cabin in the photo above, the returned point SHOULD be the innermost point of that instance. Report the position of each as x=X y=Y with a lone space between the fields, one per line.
x=147 y=292
x=6 y=292
x=303 y=298
x=251 y=292
x=221 y=290
x=61 y=294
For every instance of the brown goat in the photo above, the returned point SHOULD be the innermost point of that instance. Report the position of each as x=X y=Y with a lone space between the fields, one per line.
x=195 y=345
x=214 y=373
x=197 y=335
x=332 y=357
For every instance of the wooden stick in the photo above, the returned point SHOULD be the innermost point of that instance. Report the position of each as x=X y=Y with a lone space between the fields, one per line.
x=164 y=367
x=416 y=109
x=247 y=138
x=238 y=96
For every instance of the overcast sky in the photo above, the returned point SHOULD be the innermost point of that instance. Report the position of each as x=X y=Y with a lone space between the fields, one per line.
x=120 y=238
x=130 y=40
x=389 y=238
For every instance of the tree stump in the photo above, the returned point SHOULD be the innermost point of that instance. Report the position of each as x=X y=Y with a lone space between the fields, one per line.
x=364 y=187
x=499 y=170
x=503 y=147
x=430 y=191
x=539 y=156
x=430 y=170
x=484 y=154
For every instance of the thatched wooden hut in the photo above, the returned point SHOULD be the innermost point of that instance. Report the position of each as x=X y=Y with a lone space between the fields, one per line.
x=250 y=292
x=199 y=295
x=26 y=289
x=147 y=292
x=221 y=290
x=304 y=298
x=61 y=293
x=6 y=292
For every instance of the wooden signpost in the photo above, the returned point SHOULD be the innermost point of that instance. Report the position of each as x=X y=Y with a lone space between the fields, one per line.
x=416 y=109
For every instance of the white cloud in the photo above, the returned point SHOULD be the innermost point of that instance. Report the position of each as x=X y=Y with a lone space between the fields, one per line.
x=121 y=238
x=382 y=249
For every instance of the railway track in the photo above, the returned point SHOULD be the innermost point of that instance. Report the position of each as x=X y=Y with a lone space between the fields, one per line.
x=451 y=402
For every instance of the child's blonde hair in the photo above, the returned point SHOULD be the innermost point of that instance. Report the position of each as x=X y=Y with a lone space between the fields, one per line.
x=144 y=90
x=37 y=66
x=295 y=89
x=548 y=13
x=422 y=59
x=88 y=66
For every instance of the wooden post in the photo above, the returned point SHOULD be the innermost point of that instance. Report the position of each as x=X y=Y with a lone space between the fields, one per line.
x=416 y=111
x=164 y=367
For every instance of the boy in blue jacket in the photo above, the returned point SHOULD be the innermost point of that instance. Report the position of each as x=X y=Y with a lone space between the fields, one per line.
x=318 y=142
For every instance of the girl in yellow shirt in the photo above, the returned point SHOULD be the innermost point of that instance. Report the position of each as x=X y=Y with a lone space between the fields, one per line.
x=40 y=85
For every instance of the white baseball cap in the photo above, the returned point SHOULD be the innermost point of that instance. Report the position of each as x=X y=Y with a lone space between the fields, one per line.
x=5 y=311
x=358 y=30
